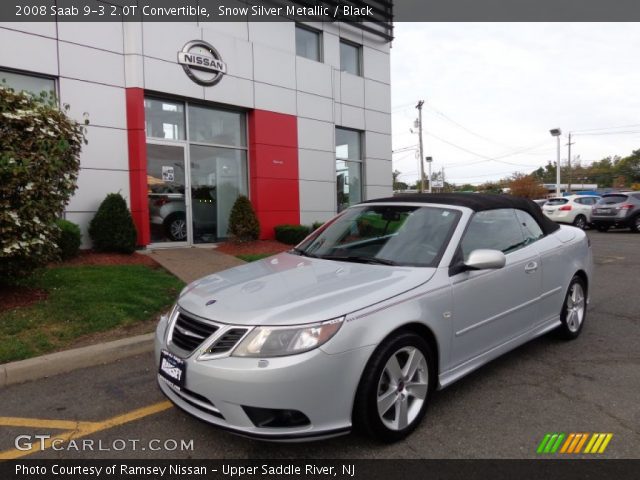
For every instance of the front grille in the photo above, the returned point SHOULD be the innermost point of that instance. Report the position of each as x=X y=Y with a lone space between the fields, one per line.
x=189 y=332
x=227 y=341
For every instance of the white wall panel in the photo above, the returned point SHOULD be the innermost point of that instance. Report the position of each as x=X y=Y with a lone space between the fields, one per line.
x=375 y=191
x=317 y=196
x=377 y=121
x=308 y=218
x=278 y=35
x=94 y=185
x=352 y=117
x=42 y=52
x=103 y=35
x=107 y=148
x=315 y=107
x=45 y=29
x=378 y=172
x=105 y=105
x=377 y=96
x=235 y=29
x=275 y=99
x=376 y=65
x=274 y=66
x=164 y=40
x=313 y=77
x=352 y=89
x=236 y=53
x=232 y=91
x=316 y=165
x=85 y=63
x=377 y=145
x=168 y=77
x=316 y=135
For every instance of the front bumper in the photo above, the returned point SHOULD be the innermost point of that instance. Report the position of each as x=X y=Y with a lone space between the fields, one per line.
x=319 y=385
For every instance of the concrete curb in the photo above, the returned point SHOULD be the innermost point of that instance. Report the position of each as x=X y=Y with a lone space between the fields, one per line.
x=69 y=360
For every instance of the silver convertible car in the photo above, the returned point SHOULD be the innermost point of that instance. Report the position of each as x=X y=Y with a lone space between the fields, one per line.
x=356 y=327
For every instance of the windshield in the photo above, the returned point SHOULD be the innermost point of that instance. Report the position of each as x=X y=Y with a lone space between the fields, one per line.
x=384 y=234
x=556 y=201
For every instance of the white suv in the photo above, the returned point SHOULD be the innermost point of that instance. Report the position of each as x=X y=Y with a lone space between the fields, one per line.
x=573 y=209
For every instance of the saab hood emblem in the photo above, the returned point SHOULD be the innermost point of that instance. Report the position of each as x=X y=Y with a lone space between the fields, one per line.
x=202 y=63
x=210 y=302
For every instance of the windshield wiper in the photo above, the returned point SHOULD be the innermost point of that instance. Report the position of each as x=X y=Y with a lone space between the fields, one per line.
x=304 y=253
x=355 y=259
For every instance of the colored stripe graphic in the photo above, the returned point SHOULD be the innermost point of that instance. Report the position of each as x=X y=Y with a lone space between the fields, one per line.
x=572 y=443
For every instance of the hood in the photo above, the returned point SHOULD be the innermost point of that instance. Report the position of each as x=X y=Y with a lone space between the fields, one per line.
x=288 y=289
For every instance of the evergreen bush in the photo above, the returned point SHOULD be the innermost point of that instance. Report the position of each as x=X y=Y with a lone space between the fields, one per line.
x=112 y=228
x=243 y=222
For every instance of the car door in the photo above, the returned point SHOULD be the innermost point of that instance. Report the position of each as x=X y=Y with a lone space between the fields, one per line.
x=491 y=307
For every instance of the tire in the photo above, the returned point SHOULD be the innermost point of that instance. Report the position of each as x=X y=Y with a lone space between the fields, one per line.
x=635 y=224
x=175 y=227
x=580 y=221
x=602 y=228
x=574 y=309
x=402 y=395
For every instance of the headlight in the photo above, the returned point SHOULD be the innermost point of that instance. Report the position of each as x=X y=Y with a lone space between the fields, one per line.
x=281 y=341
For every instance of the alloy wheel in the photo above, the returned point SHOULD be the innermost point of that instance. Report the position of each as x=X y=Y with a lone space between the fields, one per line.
x=580 y=222
x=178 y=229
x=575 y=307
x=402 y=388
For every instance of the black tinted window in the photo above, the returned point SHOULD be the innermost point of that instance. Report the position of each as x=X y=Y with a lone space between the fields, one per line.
x=611 y=199
x=493 y=229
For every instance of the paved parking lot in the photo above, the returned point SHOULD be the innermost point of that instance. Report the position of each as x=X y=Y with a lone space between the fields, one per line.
x=501 y=411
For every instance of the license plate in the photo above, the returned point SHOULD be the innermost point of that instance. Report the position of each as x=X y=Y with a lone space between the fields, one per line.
x=603 y=210
x=549 y=211
x=172 y=368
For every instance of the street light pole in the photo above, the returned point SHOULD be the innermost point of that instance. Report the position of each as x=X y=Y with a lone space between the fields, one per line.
x=556 y=132
x=569 y=163
x=419 y=107
x=429 y=162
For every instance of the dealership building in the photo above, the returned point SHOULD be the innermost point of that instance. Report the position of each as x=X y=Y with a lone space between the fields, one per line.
x=184 y=117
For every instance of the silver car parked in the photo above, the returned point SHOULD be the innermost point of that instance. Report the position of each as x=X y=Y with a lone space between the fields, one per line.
x=359 y=324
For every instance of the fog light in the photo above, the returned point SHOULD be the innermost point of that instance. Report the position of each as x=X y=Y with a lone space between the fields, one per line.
x=276 y=418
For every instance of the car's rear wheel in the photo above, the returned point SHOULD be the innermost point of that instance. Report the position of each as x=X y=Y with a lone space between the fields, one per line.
x=395 y=388
x=580 y=221
x=635 y=224
x=175 y=227
x=574 y=309
x=602 y=228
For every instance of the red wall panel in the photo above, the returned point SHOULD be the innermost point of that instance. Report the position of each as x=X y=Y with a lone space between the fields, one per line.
x=273 y=153
x=138 y=163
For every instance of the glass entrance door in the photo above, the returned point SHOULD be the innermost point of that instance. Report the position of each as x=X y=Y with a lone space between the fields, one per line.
x=218 y=176
x=166 y=187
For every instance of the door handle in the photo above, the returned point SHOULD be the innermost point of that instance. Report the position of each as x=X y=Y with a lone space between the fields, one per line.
x=531 y=267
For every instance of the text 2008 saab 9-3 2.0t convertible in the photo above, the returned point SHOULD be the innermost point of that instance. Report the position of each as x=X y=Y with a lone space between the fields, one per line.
x=359 y=324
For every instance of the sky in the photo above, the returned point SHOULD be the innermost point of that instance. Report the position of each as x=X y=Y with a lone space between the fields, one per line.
x=494 y=90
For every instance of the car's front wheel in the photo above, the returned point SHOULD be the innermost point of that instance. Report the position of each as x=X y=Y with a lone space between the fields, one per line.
x=635 y=224
x=395 y=387
x=574 y=309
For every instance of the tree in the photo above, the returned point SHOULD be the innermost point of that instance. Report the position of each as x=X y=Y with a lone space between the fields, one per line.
x=39 y=163
x=112 y=228
x=527 y=186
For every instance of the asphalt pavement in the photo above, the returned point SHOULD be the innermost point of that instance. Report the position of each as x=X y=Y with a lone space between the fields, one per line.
x=502 y=410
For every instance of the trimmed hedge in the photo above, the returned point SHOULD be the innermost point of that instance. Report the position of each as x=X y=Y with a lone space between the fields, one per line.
x=291 y=234
x=112 y=228
x=68 y=239
x=243 y=222
x=316 y=225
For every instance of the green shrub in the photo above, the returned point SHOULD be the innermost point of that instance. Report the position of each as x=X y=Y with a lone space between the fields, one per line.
x=291 y=234
x=316 y=225
x=68 y=239
x=243 y=223
x=39 y=163
x=112 y=228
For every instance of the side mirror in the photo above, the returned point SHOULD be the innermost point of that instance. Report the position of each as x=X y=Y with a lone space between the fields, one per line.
x=484 y=259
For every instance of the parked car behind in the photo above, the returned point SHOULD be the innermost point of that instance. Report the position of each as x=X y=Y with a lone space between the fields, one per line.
x=360 y=323
x=573 y=209
x=617 y=210
x=541 y=201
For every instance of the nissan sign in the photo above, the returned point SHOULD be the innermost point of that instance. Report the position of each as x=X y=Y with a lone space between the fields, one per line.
x=202 y=63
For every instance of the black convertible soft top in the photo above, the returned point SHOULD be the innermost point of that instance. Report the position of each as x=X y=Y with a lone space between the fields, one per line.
x=478 y=202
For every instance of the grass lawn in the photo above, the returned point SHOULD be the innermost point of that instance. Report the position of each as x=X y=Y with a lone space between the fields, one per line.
x=252 y=257
x=83 y=300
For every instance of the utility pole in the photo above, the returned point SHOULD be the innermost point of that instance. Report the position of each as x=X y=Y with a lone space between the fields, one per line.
x=419 y=107
x=443 y=179
x=569 y=164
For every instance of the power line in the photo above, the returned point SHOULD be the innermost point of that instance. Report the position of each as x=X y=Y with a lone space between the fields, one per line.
x=605 y=128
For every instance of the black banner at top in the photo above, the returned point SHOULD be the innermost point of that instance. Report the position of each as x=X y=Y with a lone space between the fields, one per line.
x=379 y=12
